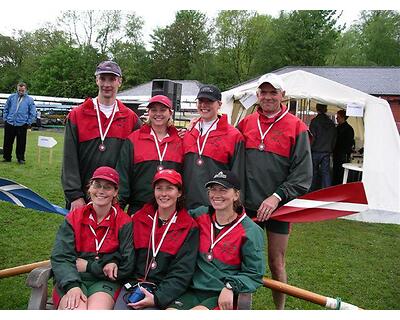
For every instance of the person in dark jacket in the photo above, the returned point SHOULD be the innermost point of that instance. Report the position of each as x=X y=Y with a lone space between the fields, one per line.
x=343 y=147
x=278 y=168
x=93 y=250
x=155 y=146
x=18 y=114
x=166 y=240
x=94 y=134
x=323 y=141
x=211 y=145
x=231 y=258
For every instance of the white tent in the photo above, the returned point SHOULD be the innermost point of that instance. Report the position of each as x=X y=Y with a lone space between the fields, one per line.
x=381 y=166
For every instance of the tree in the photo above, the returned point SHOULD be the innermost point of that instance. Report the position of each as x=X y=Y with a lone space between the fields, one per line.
x=177 y=46
x=380 y=34
x=92 y=28
x=238 y=35
x=299 y=38
x=66 y=71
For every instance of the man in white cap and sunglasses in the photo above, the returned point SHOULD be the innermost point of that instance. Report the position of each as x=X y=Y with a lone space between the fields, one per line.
x=94 y=133
x=278 y=168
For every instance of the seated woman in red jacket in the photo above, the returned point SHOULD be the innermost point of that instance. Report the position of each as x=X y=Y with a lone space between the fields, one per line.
x=231 y=257
x=166 y=241
x=93 y=250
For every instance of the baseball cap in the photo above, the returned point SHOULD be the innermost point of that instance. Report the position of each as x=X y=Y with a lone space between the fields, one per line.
x=225 y=178
x=108 y=67
x=273 y=79
x=210 y=92
x=106 y=173
x=160 y=99
x=170 y=175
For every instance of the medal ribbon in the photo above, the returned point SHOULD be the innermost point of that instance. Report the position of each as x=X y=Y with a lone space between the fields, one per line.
x=153 y=232
x=262 y=135
x=201 y=149
x=103 y=135
x=160 y=156
x=220 y=236
x=96 y=242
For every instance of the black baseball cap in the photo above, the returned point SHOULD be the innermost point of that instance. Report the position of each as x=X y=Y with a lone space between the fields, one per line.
x=225 y=178
x=210 y=92
x=108 y=67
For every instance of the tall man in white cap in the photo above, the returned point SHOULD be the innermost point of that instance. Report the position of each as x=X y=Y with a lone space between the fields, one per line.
x=94 y=133
x=278 y=168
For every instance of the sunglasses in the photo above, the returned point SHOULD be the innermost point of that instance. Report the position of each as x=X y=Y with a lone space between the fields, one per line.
x=106 y=187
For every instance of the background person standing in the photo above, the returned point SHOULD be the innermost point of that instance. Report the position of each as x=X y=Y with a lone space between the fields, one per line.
x=19 y=113
x=343 y=147
x=324 y=137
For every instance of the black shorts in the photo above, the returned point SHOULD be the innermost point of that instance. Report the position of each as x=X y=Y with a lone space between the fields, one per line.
x=272 y=225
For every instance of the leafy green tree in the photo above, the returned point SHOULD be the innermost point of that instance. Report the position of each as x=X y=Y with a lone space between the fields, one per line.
x=177 y=46
x=66 y=71
x=10 y=59
x=380 y=35
x=302 y=38
x=238 y=36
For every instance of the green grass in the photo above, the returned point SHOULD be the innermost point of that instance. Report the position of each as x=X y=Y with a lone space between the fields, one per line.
x=355 y=261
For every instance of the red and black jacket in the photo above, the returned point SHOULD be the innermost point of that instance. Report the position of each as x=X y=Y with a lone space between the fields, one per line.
x=138 y=162
x=177 y=256
x=224 y=150
x=284 y=166
x=81 y=145
x=75 y=240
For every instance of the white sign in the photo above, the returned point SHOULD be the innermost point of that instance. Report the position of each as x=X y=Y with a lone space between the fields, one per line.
x=46 y=142
x=248 y=100
x=354 y=109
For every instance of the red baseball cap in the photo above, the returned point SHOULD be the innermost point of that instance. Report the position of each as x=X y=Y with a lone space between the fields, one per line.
x=160 y=99
x=106 y=173
x=170 y=175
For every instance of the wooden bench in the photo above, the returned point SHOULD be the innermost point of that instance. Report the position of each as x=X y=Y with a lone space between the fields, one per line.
x=38 y=280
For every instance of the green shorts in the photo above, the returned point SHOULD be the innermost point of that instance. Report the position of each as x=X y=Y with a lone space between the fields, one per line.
x=90 y=287
x=272 y=225
x=193 y=297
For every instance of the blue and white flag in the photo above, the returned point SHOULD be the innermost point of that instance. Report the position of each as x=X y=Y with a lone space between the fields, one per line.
x=22 y=196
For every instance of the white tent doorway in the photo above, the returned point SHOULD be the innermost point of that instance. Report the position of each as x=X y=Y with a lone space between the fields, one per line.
x=376 y=131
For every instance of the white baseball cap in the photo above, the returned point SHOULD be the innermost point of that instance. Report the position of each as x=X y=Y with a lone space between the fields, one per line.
x=273 y=79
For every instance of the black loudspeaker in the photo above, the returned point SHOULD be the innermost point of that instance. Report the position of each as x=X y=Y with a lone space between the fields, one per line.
x=172 y=90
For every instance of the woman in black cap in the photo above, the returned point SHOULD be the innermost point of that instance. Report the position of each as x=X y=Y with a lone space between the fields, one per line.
x=211 y=145
x=231 y=257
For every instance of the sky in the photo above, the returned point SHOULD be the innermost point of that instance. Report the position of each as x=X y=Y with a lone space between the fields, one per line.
x=31 y=15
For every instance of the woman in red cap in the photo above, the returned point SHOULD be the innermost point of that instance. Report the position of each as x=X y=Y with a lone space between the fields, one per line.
x=155 y=146
x=93 y=250
x=166 y=241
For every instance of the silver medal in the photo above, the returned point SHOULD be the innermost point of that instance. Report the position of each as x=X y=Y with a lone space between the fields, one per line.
x=102 y=147
x=199 y=162
x=261 y=146
x=160 y=167
x=209 y=256
x=153 y=265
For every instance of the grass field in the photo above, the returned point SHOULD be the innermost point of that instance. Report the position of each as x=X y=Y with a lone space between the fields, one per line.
x=357 y=262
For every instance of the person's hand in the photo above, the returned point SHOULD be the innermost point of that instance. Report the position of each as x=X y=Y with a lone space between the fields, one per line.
x=110 y=270
x=182 y=132
x=80 y=202
x=81 y=265
x=225 y=299
x=267 y=207
x=146 y=302
x=73 y=297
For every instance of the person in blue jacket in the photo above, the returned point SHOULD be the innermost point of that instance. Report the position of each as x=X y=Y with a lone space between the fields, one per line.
x=19 y=113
